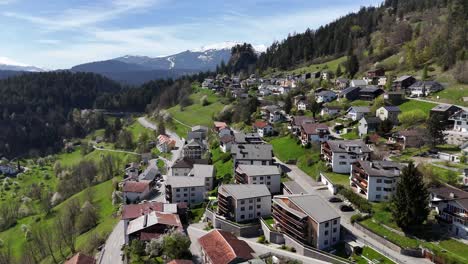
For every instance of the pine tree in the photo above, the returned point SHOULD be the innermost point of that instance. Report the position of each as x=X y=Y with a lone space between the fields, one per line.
x=338 y=71
x=410 y=204
x=435 y=129
x=352 y=65
x=424 y=73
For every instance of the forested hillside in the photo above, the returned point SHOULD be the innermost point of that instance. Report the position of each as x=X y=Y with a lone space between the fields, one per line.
x=425 y=31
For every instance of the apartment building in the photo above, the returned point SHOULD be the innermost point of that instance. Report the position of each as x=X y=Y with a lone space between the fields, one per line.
x=375 y=180
x=190 y=190
x=308 y=219
x=194 y=149
x=340 y=154
x=244 y=202
x=254 y=174
x=252 y=154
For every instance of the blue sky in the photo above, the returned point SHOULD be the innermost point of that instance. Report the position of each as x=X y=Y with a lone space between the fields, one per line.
x=59 y=34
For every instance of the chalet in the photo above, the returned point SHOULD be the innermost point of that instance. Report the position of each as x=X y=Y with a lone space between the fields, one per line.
x=208 y=83
x=330 y=110
x=194 y=149
x=221 y=247
x=357 y=83
x=165 y=144
x=403 y=82
x=297 y=122
x=263 y=128
x=424 y=88
x=152 y=225
x=369 y=93
x=135 y=191
x=9 y=170
x=298 y=98
x=326 y=75
x=219 y=125
x=408 y=139
x=368 y=125
x=264 y=92
x=314 y=132
x=341 y=83
x=458 y=135
x=388 y=112
x=225 y=143
x=325 y=96
x=375 y=73
x=445 y=111
x=394 y=97
x=350 y=93
x=225 y=131
x=357 y=112
x=301 y=105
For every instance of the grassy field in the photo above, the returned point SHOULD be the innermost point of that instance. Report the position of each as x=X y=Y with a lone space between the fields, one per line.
x=330 y=65
x=286 y=148
x=311 y=164
x=137 y=129
x=452 y=94
x=351 y=135
x=411 y=105
x=196 y=114
x=222 y=168
x=400 y=240
x=336 y=178
x=371 y=255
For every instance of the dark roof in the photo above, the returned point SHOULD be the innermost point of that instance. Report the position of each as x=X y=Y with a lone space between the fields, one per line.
x=299 y=120
x=402 y=78
x=226 y=138
x=188 y=163
x=370 y=89
x=444 y=107
x=381 y=168
x=392 y=108
x=339 y=146
x=349 y=89
x=222 y=247
x=372 y=120
x=311 y=129
x=444 y=192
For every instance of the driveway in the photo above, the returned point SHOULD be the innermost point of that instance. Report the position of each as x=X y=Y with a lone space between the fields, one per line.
x=313 y=187
x=111 y=253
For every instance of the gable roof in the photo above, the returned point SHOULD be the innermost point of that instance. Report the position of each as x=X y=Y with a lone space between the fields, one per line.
x=326 y=93
x=299 y=120
x=183 y=163
x=136 y=186
x=226 y=138
x=339 y=146
x=349 y=90
x=402 y=78
x=245 y=191
x=260 y=124
x=359 y=82
x=391 y=108
x=132 y=211
x=371 y=120
x=312 y=129
x=80 y=258
x=185 y=181
x=151 y=219
x=222 y=247
x=359 y=109
x=382 y=168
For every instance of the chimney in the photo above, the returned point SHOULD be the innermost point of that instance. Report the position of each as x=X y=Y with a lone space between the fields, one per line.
x=452 y=195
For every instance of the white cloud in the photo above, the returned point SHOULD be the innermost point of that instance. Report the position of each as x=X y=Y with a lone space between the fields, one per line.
x=6 y=2
x=8 y=61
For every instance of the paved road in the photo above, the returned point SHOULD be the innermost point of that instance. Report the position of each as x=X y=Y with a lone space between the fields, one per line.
x=313 y=187
x=111 y=253
x=196 y=231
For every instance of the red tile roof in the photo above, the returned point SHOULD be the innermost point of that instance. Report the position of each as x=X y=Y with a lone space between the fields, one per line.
x=79 y=258
x=219 y=125
x=223 y=247
x=260 y=124
x=132 y=211
x=136 y=186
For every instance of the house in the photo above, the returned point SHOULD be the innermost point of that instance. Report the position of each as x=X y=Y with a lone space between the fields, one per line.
x=150 y=173
x=403 y=82
x=275 y=116
x=197 y=133
x=326 y=75
x=350 y=93
x=369 y=93
x=133 y=211
x=465 y=177
x=330 y=110
x=445 y=111
x=264 y=92
x=80 y=258
x=263 y=128
x=254 y=174
x=298 y=98
x=451 y=204
x=394 y=97
x=221 y=247
x=307 y=219
x=388 y=112
x=186 y=189
x=368 y=125
x=375 y=180
x=225 y=143
x=253 y=154
x=182 y=167
x=152 y=225
x=355 y=113
x=357 y=83
x=382 y=81
x=375 y=73
x=205 y=171
x=131 y=170
x=165 y=144
x=341 y=83
x=325 y=96
x=301 y=105
x=195 y=149
x=226 y=131
x=297 y=122
x=218 y=125
x=207 y=83
x=135 y=191
x=247 y=138
x=412 y=138
x=424 y=88
x=340 y=154
x=244 y=202
x=458 y=135
x=315 y=132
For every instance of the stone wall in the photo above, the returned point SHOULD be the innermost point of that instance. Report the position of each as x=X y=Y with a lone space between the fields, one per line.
x=312 y=252
x=242 y=230
x=271 y=235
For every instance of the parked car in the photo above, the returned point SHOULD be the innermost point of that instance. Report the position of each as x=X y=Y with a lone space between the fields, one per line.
x=335 y=199
x=346 y=208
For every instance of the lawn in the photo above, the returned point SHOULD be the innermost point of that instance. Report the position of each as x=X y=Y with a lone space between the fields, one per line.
x=452 y=164
x=408 y=153
x=71 y=158
x=400 y=240
x=330 y=65
x=222 y=168
x=269 y=221
x=371 y=255
x=336 y=178
x=452 y=94
x=351 y=135
x=286 y=148
x=444 y=175
x=137 y=129
x=411 y=105
x=311 y=164
x=196 y=114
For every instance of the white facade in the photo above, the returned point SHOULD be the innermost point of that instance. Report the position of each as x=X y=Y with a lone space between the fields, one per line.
x=189 y=195
x=301 y=106
x=265 y=131
x=328 y=233
x=180 y=171
x=275 y=116
x=252 y=208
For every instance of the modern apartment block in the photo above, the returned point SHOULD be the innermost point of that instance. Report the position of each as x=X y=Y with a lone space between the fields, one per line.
x=308 y=219
x=340 y=154
x=244 y=202
x=376 y=180
x=253 y=174
x=190 y=190
x=252 y=154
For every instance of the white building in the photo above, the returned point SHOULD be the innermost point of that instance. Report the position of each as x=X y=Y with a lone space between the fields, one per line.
x=191 y=190
x=388 y=112
x=459 y=134
x=254 y=174
x=355 y=113
x=375 y=180
x=263 y=128
x=302 y=105
x=252 y=154
x=340 y=154
x=452 y=206
x=325 y=96
x=244 y=202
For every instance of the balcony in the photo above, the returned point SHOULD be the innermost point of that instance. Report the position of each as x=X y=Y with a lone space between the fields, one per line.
x=289 y=224
x=360 y=184
x=240 y=178
x=462 y=216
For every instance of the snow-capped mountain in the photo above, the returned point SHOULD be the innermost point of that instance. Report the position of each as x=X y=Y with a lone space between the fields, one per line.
x=7 y=64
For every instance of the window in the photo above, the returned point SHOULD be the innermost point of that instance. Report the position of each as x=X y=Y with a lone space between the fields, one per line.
x=177 y=190
x=378 y=188
x=261 y=178
x=242 y=202
x=334 y=239
x=326 y=233
x=377 y=196
x=178 y=195
x=258 y=206
x=268 y=177
x=242 y=208
x=192 y=194
x=326 y=224
x=251 y=201
x=185 y=195
x=242 y=216
x=326 y=242
x=250 y=215
x=334 y=230
x=342 y=163
x=258 y=213
x=335 y=222
x=268 y=183
x=185 y=189
x=379 y=180
x=258 y=199
x=193 y=188
x=251 y=207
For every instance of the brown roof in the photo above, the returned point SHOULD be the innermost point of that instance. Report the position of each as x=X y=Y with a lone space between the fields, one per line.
x=79 y=258
x=136 y=186
x=260 y=124
x=311 y=129
x=220 y=125
x=226 y=138
x=132 y=211
x=180 y=261
x=444 y=192
x=299 y=120
x=222 y=247
x=411 y=133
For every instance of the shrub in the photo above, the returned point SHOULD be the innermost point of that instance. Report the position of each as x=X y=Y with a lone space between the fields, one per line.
x=412 y=118
x=362 y=204
x=261 y=239
x=358 y=218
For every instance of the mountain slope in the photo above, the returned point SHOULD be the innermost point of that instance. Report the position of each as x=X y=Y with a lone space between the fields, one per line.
x=7 y=64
